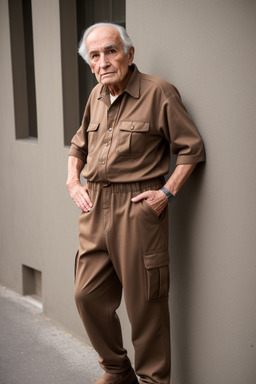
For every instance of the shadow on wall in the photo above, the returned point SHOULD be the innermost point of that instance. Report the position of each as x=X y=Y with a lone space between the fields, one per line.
x=183 y=223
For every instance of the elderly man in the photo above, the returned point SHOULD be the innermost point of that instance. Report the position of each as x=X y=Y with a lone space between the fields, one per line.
x=123 y=148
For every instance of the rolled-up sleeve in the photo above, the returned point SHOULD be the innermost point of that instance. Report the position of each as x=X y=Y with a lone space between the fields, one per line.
x=79 y=145
x=79 y=142
x=179 y=129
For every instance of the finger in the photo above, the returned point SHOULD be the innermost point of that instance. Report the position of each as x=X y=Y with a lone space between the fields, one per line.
x=83 y=206
x=141 y=196
x=82 y=200
x=85 y=203
x=87 y=199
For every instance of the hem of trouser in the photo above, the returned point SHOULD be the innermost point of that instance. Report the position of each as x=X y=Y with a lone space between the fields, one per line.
x=129 y=372
x=124 y=371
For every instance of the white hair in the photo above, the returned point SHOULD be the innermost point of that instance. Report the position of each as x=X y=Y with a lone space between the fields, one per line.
x=82 y=49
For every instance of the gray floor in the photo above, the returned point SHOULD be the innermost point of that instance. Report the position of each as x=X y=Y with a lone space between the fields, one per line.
x=34 y=350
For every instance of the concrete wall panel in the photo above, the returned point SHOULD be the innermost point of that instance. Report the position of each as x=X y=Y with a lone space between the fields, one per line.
x=38 y=219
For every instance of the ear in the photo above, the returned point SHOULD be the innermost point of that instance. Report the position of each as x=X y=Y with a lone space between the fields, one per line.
x=131 y=55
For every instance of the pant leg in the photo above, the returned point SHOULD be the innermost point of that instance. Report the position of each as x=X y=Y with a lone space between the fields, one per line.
x=138 y=241
x=98 y=290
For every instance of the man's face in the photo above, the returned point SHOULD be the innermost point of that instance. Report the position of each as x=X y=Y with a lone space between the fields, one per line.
x=108 y=60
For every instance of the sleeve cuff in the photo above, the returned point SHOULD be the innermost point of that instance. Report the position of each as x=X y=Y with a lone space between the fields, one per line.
x=190 y=159
x=76 y=153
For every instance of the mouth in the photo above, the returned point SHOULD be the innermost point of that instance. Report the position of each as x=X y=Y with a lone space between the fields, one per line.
x=106 y=74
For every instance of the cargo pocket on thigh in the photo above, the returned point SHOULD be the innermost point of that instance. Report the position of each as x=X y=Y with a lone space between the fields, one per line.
x=157 y=272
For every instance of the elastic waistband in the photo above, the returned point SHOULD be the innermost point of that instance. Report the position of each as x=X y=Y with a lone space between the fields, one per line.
x=129 y=187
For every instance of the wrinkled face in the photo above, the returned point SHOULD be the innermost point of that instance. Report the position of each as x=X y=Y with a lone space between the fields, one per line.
x=107 y=58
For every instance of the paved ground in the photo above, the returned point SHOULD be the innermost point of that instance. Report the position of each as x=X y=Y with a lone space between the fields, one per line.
x=34 y=350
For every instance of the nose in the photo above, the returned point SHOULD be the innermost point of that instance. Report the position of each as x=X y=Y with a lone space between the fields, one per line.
x=103 y=60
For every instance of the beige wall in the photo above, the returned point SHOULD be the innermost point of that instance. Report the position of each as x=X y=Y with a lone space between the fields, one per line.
x=207 y=49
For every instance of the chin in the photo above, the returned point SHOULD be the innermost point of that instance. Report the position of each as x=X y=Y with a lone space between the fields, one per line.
x=108 y=82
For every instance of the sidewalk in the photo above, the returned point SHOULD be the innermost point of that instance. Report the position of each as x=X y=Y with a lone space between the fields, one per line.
x=34 y=350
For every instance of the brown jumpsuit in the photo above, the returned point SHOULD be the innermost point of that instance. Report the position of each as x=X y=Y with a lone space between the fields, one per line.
x=124 y=245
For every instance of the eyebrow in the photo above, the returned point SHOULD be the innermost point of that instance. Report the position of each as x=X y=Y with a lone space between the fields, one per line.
x=111 y=46
x=106 y=48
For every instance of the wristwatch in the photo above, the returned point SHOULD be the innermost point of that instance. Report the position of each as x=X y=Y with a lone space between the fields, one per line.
x=168 y=194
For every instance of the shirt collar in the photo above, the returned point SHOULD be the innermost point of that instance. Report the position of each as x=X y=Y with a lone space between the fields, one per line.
x=132 y=87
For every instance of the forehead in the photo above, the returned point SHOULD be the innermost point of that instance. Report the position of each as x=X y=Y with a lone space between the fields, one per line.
x=101 y=37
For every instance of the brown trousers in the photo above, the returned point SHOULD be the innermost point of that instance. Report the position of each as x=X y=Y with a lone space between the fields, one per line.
x=124 y=247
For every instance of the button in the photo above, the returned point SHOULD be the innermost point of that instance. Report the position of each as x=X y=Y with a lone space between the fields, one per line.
x=110 y=129
x=132 y=127
x=103 y=162
x=106 y=144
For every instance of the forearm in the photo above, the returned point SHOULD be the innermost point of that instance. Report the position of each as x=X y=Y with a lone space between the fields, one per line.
x=75 y=166
x=178 y=177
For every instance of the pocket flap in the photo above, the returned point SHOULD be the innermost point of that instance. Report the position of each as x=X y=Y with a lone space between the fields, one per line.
x=93 y=127
x=156 y=259
x=134 y=126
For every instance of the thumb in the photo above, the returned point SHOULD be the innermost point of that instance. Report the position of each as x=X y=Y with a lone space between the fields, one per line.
x=141 y=196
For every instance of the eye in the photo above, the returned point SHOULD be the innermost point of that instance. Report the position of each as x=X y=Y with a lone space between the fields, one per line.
x=112 y=51
x=94 y=56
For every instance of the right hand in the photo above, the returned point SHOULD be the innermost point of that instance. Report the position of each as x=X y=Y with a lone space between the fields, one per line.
x=79 y=193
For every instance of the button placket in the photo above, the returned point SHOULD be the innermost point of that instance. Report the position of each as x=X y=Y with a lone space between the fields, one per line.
x=105 y=149
x=112 y=117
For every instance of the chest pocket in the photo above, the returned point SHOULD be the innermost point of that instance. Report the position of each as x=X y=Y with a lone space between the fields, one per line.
x=92 y=136
x=132 y=137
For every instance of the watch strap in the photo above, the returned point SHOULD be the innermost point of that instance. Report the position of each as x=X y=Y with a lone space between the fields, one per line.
x=169 y=196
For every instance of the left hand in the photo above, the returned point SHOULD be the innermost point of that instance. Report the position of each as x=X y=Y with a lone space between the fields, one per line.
x=156 y=199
